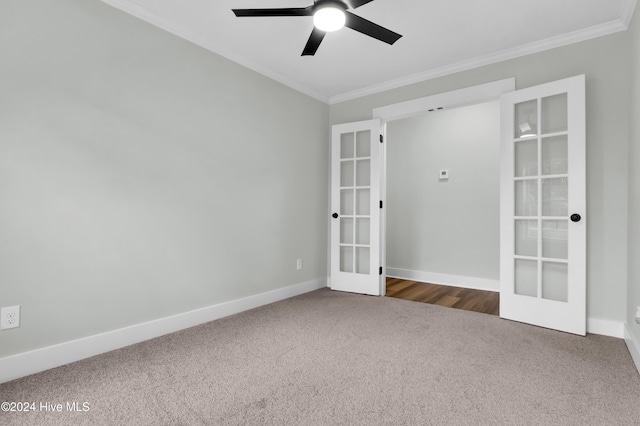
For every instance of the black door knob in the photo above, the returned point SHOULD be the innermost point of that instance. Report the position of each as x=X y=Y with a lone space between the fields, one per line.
x=575 y=217
x=335 y=215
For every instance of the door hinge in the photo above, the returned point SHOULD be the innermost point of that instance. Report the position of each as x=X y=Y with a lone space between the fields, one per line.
x=380 y=203
x=381 y=270
x=381 y=139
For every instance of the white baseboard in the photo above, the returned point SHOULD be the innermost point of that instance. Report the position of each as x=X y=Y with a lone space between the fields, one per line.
x=445 y=279
x=634 y=346
x=605 y=327
x=24 y=364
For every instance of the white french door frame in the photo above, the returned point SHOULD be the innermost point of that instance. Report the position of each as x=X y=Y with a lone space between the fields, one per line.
x=474 y=95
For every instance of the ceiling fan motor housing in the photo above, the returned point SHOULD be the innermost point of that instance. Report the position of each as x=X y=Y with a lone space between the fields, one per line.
x=329 y=15
x=320 y=4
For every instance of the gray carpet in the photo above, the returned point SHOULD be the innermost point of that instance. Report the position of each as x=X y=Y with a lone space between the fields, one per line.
x=329 y=358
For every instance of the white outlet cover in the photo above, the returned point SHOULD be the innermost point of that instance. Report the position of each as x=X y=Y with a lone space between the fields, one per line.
x=9 y=317
x=443 y=175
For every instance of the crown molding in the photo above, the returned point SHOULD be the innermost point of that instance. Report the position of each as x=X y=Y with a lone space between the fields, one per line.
x=527 y=49
x=626 y=11
x=625 y=15
x=139 y=12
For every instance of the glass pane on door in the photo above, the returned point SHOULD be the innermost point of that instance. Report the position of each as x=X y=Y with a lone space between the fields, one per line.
x=526 y=238
x=355 y=202
x=362 y=231
x=346 y=174
x=363 y=144
x=554 y=114
x=363 y=173
x=555 y=197
x=346 y=259
x=346 y=201
x=541 y=183
x=555 y=239
x=554 y=281
x=555 y=155
x=526 y=277
x=346 y=230
x=346 y=145
x=526 y=115
x=526 y=198
x=526 y=158
x=363 y=202
x=362 y=260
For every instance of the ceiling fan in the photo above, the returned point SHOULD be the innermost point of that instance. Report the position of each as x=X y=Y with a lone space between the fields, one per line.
x=328 y=15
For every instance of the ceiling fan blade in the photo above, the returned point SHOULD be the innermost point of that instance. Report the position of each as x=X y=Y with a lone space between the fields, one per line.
x=357 y=3
x=287 y=11
x=314 y=42
x=369 y=28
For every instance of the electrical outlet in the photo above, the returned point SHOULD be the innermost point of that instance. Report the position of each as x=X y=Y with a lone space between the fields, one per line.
x=299 y=264
x=9 y=317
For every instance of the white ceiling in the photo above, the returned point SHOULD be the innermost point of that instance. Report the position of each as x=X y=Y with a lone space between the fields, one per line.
x=439 y=37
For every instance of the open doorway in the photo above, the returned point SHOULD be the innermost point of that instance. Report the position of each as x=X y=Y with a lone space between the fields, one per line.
x=443 y=207
x=358 y=184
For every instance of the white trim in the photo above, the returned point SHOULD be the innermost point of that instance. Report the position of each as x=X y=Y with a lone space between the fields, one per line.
x=453 y=99
x=633 y=345
x=445 y=279
x=493 y=58
x=26 y=363
x=383 y=211
x=605 y=327
x=186 y=34
x=621 y=24
x=626 y=12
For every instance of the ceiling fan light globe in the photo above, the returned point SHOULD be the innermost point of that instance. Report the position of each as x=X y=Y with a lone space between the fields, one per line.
x=329 y=18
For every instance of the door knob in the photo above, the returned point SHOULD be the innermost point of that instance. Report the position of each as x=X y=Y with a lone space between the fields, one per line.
x=335 y=215
x=575 y=217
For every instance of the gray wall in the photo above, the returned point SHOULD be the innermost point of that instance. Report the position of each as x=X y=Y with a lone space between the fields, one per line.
x=606 y=63
x=634 y=181
x=142 y=176
x=446 y=227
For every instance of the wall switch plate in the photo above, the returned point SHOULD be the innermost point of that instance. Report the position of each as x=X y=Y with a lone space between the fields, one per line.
x=443 y=175
x=9 y=317
x=299 y=264
x=638 y=314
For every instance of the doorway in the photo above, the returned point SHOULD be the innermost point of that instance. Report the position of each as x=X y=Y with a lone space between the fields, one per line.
x=443 y=197
x=356 y=152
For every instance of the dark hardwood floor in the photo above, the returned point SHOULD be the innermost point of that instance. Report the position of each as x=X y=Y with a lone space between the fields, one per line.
x=486 y=302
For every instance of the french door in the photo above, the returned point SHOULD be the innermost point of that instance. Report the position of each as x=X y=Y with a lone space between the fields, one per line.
x=543 y=205
x=355 y=208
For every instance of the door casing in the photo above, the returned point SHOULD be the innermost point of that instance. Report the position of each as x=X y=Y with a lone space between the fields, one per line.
x=449 y=100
